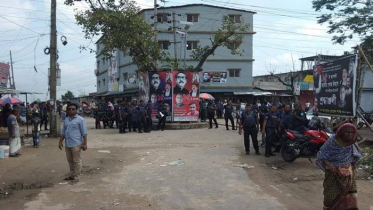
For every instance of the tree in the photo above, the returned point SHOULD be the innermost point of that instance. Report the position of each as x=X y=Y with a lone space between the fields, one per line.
x=68 y=96
x=347 y=18
x=124 y=27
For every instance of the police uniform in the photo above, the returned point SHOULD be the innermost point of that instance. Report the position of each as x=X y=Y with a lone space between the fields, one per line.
x=249 y=123
x=149 y=120
x=121 y=118
x=211 y=115
x=129 y=117
x=271 y=127
x=143 y=118
x=228 y=109
x=286 y=119
x=136 y=118
x=298 y=125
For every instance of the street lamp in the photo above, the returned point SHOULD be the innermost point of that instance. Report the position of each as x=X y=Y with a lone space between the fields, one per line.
x=186 y=28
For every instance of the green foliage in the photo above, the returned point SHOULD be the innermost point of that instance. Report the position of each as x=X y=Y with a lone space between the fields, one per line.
x=68 y=96
x=230 y=35
x=123 y=27
x=347 y=18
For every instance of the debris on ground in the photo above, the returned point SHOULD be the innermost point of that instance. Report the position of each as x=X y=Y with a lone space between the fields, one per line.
x=104 y=151
x=295 y=179
x=274 y=167
x=243 y=166
x=177 y=163
x=62 y=183
x=162 y=165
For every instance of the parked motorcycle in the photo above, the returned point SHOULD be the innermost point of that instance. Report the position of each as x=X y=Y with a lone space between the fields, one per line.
x=297 y=145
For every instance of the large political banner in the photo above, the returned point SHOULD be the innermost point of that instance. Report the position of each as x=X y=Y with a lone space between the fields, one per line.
x=218 y=77
x=113 y=72
x=143 y=86
x=160 y=89
x=4 y=74
x=185 y=96
x=334 y=87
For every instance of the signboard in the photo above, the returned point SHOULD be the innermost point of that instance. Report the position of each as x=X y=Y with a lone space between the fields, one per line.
x=185 y=96
x=301 y=85
x=178 y=89
x=113 y=72
x=334 y=86
x=4 y=74
x=219 y=77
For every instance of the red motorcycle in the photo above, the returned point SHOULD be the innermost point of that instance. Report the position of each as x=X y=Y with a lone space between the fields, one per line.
x=297 y=145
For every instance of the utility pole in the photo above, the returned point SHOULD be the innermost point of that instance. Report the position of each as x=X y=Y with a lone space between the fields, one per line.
x=53 y=65
x=155 y=27
x=12 y=85
x=174 y=30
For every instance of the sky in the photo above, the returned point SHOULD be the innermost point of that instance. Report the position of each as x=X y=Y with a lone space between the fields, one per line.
x=286 y=30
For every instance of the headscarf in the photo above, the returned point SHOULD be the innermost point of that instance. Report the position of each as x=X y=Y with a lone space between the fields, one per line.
x=335 y=153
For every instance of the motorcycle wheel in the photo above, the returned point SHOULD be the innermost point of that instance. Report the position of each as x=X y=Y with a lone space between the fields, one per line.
x=360 y=125
x=286 y=151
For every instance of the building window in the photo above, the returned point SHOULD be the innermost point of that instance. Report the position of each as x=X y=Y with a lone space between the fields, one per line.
x=192 y=45
x=103 y=61
x=103 y=82
x=192 y=18
x=99 y=83
x=235 y=18
x=164 y=44
x=234 y=72
x=98 y=64
x=162 y=17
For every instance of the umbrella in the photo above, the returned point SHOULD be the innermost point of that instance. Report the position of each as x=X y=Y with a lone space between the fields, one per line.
x=10 y=100
x=206 y=96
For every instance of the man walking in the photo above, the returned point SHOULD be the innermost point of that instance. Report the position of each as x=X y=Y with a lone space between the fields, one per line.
x=74 y=132
x=228 y=109
x=149 y=120
x=162 y=111
x=270 y=126
x=250 y=124
x=211 y=114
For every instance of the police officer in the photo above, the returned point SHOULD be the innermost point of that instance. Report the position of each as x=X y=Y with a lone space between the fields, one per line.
x=136 y=117
x=121 y=117
x=286 y=118
x=143 y=117
x=203 y=109
x=149 y=120
x=162 y=120
x=116 y=113
x=263 y=110
x=129 y=116
x=250 y=124
x=228 y=109
x=298 y=119
x=270 y=127
x=211 y=114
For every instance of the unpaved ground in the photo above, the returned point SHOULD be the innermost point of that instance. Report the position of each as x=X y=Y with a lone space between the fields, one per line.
x=136 y=175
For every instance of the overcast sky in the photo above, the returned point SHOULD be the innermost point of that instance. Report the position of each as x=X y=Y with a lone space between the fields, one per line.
x=285 y=29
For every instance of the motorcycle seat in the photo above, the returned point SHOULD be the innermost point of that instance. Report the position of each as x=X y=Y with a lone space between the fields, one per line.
x=298 y=136
x=294 y=132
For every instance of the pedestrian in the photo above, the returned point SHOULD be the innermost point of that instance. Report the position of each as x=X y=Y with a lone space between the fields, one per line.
x=308 y=104
x=219 y=109
x=14 y=135
x=35 y=123
x=63 y=111
x=22 y=114
x=270 y=127
x=136 y=117
x=337 y=158
x=211 y=114
x=263 y=110
x=228 y=110
x=149 y=120
x=97 y=115
x=121 y=116
x=298 y=119
x=143 y=116
x=74 y=132
x=129 y=116
x=162 y=114
x=203 y=109
x=44 y=116
x=250 y=124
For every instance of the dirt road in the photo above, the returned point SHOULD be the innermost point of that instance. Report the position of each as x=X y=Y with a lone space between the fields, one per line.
x=136 y=175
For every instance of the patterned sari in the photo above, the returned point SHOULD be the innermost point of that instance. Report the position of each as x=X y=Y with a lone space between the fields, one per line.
x=340 y=191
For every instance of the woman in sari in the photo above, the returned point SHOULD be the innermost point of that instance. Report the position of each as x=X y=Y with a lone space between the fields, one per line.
x=14 y=137
x=337 y=158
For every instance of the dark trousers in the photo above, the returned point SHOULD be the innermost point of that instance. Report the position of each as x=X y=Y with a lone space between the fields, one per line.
x=136 y=125
x=143 y=123
x=121 y=126
x=98 y=123
x=149 y=123
x=270 y=134
x=203 y=115
x=211 y=118
x=161 y=123
x=44 y=121
x=247 y=132
x=226 y=121
x=219 y=113
x=129 y=123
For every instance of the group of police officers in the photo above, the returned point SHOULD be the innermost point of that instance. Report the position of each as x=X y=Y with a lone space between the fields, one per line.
x=130 y=115
x=271 y=121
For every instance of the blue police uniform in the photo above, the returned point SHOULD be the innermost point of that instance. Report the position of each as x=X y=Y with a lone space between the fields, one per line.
x=298 y=125
x=271 y=128
x=121 y=117
x=249 y=123
x=149 y=120
x=211 y=115
x=228 y=109
x=286 y=119
x=136 y=118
